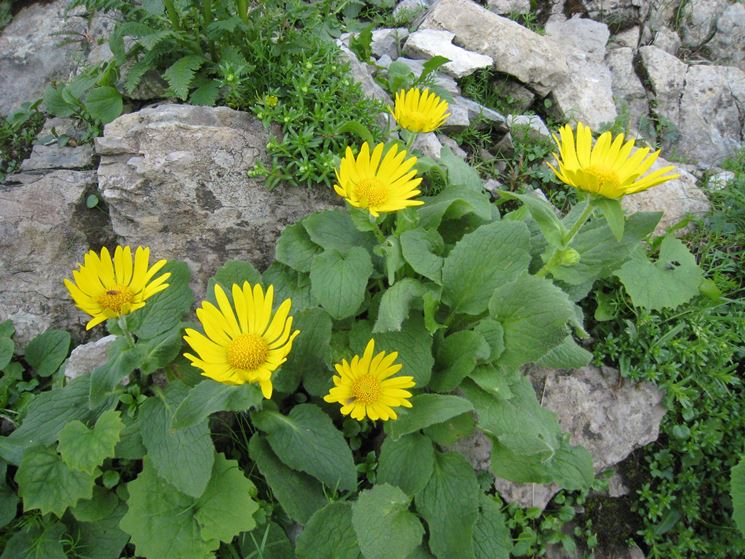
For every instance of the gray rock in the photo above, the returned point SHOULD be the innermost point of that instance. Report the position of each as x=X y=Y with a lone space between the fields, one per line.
x=586 y=96
x=100 y=28
x=448 y=142
x=427 y=43
x=727 y=46
x=428 y=145
x=699 y=20
x=621 y=14
x=388 y=41
x=518 y=96
x=458 y=119
x=505 y=7
x=87 y=357
x=629 y=93
x=627 y=38
x=666 y=75
x=667 y=40
x=31 y=53
x=477 y=112
x=55 y=156
x=175 y=179
x=533 y=59
x=362 y=74
x=410 y=8
x=720 y=180
x=532 y=123
x=44 y=232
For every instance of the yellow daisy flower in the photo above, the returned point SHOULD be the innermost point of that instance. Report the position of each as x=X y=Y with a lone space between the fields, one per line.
x=609 y=169
x=243 y=342
x=379 y=186
x=106 y=288
x=419 y=111
x=363 y=387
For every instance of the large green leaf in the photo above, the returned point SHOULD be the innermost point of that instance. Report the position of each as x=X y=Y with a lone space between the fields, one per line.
x=7 y=348
x=122 y=360
x=306 y=440
x=460 y=173
x=299 y=494
x=184 y=458
x=165 y=310
x=334 y=230
x=566 y=355
x=160 y=351
x=104 y=103
x=737 y=491
x=493 y=255
x=46 y=352
x=338 y=280
x=533 y=313
x=396 y=304
x=268 y=541
x=456 y=357
x=46 y=483
x=311 y=350
x=449 y=504
x=454 y=203
x=397 y=457
x=8 y=500
x=668 y=283
x=421 y=249
x=102 y=539
x=209 y=396
x=426 y=410
x=295 y=248
x=384 y=510
x=544 y=215
x=491 y=537
x=290 y=284
x=36 y=542
x=85 y=449
x=329 y=534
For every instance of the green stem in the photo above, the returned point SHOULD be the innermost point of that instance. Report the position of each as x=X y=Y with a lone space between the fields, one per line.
x=376 y=229
x=409 y=138
x=566 y=240
x=172 y=14
x=207 y=12
x=242 y=9
x=122 y=323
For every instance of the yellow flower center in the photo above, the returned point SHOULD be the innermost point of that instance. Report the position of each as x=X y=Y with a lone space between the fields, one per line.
x=606 y=177
x=116 y=298
x=248 y=352
x=366 y=389
x=373 y=191
x=417 y=121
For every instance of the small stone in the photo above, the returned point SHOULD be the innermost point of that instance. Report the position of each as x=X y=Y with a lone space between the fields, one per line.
x=55 y=156
x=627 y=38
x=479 y=113
x=388 y=41
x=427 y=43
x=87 y=357
x=458 y=119
x=447 y=141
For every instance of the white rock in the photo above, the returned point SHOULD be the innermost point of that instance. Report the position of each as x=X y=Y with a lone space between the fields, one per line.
x=627 y=38
x=537 y=128
x=698 y=21
x=477 y=112
x=667 y=77
x=458 y=119
x=448 y=142
x=87 y=357
x=727 y=46
x=388 y=41
x=628 y=91
x=428 y=43
x=428 y=145
x=505 y=7
x=667 y=39
x=362 y=74
x=619 y=13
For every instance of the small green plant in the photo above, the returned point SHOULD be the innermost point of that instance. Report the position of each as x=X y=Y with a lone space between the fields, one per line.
x=489 y=88
x=17 y=133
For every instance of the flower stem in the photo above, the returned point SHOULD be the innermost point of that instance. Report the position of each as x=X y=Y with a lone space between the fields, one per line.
x=566 y=240
x=122 y=323
x=376 y=229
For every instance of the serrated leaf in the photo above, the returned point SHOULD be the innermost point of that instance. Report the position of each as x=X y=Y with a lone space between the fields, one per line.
x=104 y=103
x=397 y=457
x=122 y=360
x=205 y=94
x=491 y=537
x=426 y=410
x=339 y=280
x=456 y=356
x=383 y=510
x=209 y=397
x=494 y=254
x=395 y=304
x=165 y=310
x=667 y=283
x=421 y=251
x=737 y=492
x=180 y=74
x=36 y=542
x=307 y=441
x=183 y=458
x=46 y=483
x=46 y=352
x=85 y=449
x=311 y=352
x=329 y=534
x=295 y=248
x=299 y=494
x=449 y=504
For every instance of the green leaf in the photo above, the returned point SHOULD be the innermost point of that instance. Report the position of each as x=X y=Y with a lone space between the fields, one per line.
x=226 y=508
x=494 y=254
x=329 y=534
x=8 y=503
x=737 y=492
x=180 y=74
x=122 y=360
x=36 y=542
x=339 y=280
x=456 y=357
x=7 y=329
x=460 y=173
x=295 y=248
x=55 y=104
x=209 y=396
x=85 y=449
x=266 y=542
x=613 y=213
x=311 y=351
x=668 y=283
x=165 y=310
x=46 y=483
x=395 y=304
x=397 y=457
x=98 y=507
x=449 y=504
x=206 y=93
x=299 y=494
x=160 y=351
x=290 y=284
x=334 y=229
x=358 y=129
x=533 y=313
x=426 y=410
x=104 y=103
x=493 y=380
x=184 y=458
x=306 y=440
x=491 y=537
x=566 y=355
x=451 y=431
x=421 y=251
x=454 y=202
x=430 y=65
x=102 y=539
x=493 y=333
x=46 y=352
x=544 y=215
x=384 y=511
x=6 y=351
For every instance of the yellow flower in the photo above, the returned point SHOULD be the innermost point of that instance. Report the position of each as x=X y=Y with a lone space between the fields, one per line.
x=243 y=343
x=363 y=387
x=379 y=186
x=107 y=289
x=610 y=169
x=419 y=111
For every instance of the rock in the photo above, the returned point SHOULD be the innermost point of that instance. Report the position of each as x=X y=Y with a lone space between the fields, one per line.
x=55 y=156
x=478 y=113
x=586 y=96
x=87 y=357
x=666 y=75
x=535 y=127
x=362 y=74
x=517 y=96
x=44 y=232
x=505 y=7
x=417 y=66
x=620 y=14
x=628 y=38
x=409 y=9
x=100 y=28
x=175 y=179
x=428 y=145
x=721 y=180
x=616 y=486
x=458 y=119
x=675 y=198
x=667 y=40
x=698 y=21
x=628 y=91
x=32 y=53
x=531 y=58
x=388 y=42
x=727 y=46
x=427 y=43
x=448 y=142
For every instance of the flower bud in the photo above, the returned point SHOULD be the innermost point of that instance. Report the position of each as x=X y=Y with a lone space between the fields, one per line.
x=568 y=257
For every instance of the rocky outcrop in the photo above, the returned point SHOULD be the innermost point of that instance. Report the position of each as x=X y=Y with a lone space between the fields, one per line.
x=427 y=43
x=628 y=92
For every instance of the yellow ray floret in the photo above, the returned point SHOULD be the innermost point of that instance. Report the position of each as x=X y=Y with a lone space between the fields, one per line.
x=242 y=341
x=366 y=387
x=611 y=168
x=377 y=183
x=108 y=288
x=419 y=111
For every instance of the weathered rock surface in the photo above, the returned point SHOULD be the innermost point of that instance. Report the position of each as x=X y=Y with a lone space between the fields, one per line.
x=727 y=46
x=31 y=53
x=628 y=91
x=388 y=41
x=621 y=14
x=586 y=96
x=55 y=156
x=667 y=40
x=362 y=74
x=531 y=58
x=505 y=7
x=175 y=179
x=666 y=76
x=533 y=124
x=627 y=38
x=87 y=357
x=427 y=43
x=698 y=21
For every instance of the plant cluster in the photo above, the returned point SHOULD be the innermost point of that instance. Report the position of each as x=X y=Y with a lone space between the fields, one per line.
x=17 y=133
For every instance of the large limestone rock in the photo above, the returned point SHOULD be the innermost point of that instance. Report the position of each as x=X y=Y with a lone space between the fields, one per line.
x=175 y=179
x=533 y=59
x=698 y=21
x=666 y=75
x=32 y=53
x=608 y=417
x=629 y=92
x=427 y=43
x=586 y=96
x=727 y=46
